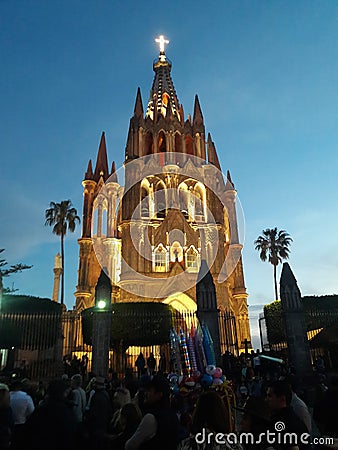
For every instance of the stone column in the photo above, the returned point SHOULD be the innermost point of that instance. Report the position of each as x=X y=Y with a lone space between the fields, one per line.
x=57 y=275
x=101 y=326
x=293 y=314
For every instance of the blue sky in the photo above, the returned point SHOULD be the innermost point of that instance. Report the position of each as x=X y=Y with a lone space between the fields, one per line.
x=266 y=76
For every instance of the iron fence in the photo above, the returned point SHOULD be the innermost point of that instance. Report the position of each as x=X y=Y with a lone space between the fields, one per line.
x=44 y=345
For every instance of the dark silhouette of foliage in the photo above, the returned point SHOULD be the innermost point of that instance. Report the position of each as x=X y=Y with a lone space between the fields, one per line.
x=273 y=246
x=140 y=324
x=6 y=271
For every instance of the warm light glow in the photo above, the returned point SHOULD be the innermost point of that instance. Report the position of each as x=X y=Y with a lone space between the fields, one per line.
x=101 y=304
x=161 y=41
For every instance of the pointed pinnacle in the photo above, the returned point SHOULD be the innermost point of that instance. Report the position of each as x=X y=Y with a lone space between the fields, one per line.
x=138 y=110
x=287 y=277
x=113 y=175
x=89 y=173
x=212 y=155
x=101 y=167
x=230 y=183
x=198 y=116
x=181 y=114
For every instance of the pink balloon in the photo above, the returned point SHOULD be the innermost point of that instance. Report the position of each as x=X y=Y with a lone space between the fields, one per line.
x=218 y=373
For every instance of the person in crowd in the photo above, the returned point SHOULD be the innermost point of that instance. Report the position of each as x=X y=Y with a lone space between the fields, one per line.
x=84 y=365
x=257 y=364
x=243 y=392
x=6 y=417
x=78 y=398
x=140 y=364
x=162 y=365
x=298 y=405
x=121 y=397
x=130 y=382
x=325 y=410
x=151 y=364
x=279 y=396
x=256 y=387
x=22 y=406
x=255 y=420
x=53 y=424
x=319 y=365
x=139 y=398
x=75 y=365
x=40 y=393
x=209 y=417
x=129 y=419
x=67 y=360
x=158 y=428
x=98 y=415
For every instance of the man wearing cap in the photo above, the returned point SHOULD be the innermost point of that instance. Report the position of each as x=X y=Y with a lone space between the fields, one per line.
x=159 y=427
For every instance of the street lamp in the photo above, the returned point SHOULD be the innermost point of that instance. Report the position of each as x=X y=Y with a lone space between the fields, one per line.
x=101 y=304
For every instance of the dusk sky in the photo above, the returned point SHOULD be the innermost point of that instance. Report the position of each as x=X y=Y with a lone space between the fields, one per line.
x=266 y=76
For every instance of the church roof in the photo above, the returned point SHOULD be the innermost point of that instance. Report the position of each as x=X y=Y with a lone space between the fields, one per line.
x=162 y=94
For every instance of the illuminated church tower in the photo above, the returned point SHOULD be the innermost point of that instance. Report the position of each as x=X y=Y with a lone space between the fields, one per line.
x=174 y=210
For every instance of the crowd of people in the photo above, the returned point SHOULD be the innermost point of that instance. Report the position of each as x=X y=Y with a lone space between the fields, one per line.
x=155 y=410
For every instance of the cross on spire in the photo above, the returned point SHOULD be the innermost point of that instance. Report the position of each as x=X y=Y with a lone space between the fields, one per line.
x=161 y=41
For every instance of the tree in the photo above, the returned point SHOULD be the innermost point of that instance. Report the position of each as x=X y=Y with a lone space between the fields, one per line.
x=273 y=246
x=7 y=271
x=62 y=216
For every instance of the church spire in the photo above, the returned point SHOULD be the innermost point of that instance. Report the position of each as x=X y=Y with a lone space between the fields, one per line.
x=212 y=154
x=89 y=174
x=138 y=110
x=229 y=184
x=162 y=89
x=113 y=175
x=198 y=116
x=101 y=167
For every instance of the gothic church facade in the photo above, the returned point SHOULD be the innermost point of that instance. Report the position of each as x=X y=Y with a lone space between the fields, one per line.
x=174 y=210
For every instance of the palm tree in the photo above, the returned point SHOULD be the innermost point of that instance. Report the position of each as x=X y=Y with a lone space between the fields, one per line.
x=274 y=246
x=62 y=216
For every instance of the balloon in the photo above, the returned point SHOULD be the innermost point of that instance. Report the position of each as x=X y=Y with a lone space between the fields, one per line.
x=210 y=370
x=217 y=381
x=206 y=380
x=218 y=373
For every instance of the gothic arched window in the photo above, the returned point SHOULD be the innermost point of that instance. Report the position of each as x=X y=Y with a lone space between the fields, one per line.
x=189 y=145
x=184 y=199
x=148 y=143
x=178 y=143
x=176 y=252
x=199 y=195
x=160 y=259
x=192 y=259
x=160 y=200
x=144 y=198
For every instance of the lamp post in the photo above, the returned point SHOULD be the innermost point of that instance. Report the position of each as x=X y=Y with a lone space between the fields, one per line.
x=101 y=326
